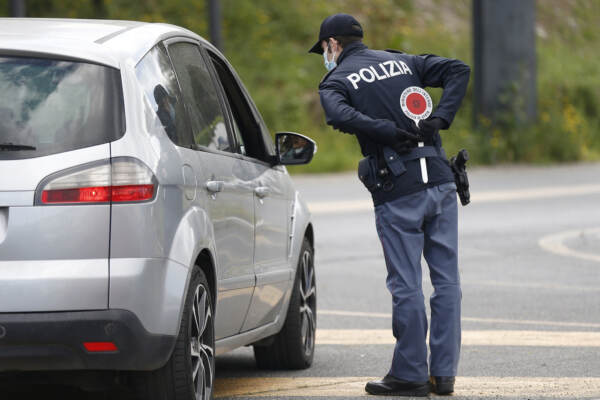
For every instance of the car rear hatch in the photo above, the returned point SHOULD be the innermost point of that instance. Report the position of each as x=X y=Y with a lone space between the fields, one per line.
x=57 y=119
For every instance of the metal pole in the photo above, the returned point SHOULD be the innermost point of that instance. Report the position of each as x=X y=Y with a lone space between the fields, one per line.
x=99 y=9
x=17 y=8
x=505 y=61
x=214 y=23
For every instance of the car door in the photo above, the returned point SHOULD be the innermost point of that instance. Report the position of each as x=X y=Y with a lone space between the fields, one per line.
x=229 y=200
x=272 y=199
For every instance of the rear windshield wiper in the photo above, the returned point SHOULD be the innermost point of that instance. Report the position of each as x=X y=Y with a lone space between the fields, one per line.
x=15 y=147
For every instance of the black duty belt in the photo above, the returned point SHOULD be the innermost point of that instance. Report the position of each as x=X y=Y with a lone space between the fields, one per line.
x=379 y=173
x=417 y=152
x=395 y=161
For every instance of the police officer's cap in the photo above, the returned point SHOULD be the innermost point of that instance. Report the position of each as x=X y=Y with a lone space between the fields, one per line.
x=337 y=25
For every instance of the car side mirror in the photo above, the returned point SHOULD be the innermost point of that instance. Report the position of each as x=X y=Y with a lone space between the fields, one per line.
x=294 y=149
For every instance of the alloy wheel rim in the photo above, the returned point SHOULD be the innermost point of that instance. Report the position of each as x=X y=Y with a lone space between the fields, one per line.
x=308 y=303
x=201 y=345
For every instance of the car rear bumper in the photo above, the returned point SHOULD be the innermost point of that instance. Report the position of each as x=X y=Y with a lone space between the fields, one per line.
x=54 y=341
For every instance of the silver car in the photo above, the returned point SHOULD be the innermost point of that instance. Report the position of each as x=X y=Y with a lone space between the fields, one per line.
x=147 y=220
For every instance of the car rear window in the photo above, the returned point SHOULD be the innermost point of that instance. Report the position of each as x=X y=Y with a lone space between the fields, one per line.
x=51 y=106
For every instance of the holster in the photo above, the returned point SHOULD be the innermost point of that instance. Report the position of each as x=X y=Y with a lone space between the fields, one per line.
x=458 y=166
x=367 y=169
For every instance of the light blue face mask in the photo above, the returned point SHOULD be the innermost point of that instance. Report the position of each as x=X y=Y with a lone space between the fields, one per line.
x=329 y=65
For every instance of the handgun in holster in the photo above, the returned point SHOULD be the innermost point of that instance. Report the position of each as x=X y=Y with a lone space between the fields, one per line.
x=459 y=168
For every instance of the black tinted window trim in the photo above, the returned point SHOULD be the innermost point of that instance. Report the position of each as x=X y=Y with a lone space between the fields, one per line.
x=233 y=155
x=209 y=53
x=269 y=148
x=222 y=99
x=257 y=161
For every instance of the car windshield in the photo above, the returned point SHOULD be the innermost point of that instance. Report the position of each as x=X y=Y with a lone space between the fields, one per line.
x=50 y=106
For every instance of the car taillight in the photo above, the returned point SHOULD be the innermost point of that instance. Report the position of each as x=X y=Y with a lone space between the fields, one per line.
x=81 y=195
x=118 y=180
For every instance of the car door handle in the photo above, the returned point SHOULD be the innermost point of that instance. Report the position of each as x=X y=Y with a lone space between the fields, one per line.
x=262 y=191
x=214 y=186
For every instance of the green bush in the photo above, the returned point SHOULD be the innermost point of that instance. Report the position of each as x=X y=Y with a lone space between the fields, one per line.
x=267 y=42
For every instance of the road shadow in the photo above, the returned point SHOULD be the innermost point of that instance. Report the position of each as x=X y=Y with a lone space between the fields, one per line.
x=49 y=392
x=60 y=385
x=42 y=385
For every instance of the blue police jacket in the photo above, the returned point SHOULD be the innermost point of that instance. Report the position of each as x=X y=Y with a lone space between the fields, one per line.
x=361 y=96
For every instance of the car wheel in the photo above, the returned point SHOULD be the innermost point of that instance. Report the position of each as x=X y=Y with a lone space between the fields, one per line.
x=189 y=373
x=294 y=346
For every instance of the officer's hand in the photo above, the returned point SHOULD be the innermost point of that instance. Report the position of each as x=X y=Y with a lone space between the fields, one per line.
x=429 y=128
x=402 y=135
x=405 y=141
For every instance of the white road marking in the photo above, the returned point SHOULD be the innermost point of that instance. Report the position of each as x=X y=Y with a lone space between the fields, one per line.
x=469 y=338
x=555 y=243
x=529 y=285
x=354 y=314
x=469 y=319
x=347 y=206
x=535 y=193
x=339 y=207
x=346 y=387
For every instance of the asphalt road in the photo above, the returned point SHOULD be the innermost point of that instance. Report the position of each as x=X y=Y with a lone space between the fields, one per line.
x=530 y=270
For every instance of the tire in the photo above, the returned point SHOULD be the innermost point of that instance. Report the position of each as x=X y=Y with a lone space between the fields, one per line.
x=189 y=373
x=294 y=346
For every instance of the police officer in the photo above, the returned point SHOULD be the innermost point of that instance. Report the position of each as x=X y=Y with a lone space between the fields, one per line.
x=415 y=213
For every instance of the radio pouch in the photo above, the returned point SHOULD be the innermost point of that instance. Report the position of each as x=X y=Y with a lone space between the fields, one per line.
x=393 y=161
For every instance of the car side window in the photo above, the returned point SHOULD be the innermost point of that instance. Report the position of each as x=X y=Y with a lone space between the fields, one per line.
x=158 y=80
x=266 y=136
x=201 y=97
x=238 y=136
x=245 y=126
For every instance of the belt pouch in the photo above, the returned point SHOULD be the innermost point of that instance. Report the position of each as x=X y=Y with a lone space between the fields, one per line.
x=394 y=163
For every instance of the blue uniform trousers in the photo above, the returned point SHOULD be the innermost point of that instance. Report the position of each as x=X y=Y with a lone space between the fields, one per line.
x=425 y=223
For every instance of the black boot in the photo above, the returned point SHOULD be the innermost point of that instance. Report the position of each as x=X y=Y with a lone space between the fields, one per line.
x=390 y=386
x=442 y=384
